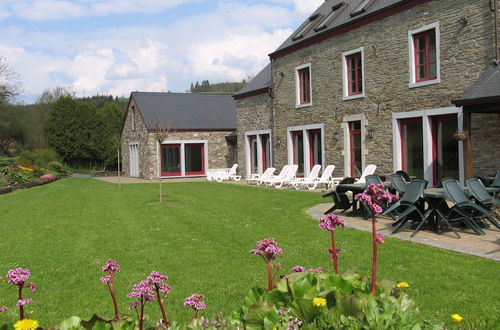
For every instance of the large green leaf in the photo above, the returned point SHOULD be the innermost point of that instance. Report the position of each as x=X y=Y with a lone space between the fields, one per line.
x=73 y=323
x=262 y=315
x=101 y=326
x=302 y=285
x=304 y=310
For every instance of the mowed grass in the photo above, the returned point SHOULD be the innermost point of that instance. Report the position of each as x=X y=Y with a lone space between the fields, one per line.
x=200 y=237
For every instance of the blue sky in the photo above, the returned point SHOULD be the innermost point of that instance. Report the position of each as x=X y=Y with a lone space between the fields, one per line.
x=118 y=46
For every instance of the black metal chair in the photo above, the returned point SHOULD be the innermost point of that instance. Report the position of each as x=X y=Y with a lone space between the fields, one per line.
x=340 y=199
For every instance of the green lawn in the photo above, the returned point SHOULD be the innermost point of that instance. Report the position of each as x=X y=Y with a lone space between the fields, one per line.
x=65 y=231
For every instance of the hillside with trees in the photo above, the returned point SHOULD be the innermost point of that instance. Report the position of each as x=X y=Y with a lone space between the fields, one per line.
x=218 y=88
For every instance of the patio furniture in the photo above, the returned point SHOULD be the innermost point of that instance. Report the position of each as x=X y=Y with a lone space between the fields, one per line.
x=464 y=209
x=339 y=196
x=297 y=183
x=398 y=183
x=404 y=174
x=229 y=175
x=370 y=169
x=496 y=180
x=477 y=190
x=279 y=182
x=325 y=178
x=214 y=173
x=373 y=179
x=411 y=204
x=281 y=174
x=256 y=177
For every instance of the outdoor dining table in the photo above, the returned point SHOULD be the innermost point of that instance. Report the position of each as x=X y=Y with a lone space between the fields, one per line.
x=356 y=188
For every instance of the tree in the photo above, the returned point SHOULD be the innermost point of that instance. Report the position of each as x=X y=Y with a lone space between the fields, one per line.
x=11 y=131
x=10 y=86
x=161 y=133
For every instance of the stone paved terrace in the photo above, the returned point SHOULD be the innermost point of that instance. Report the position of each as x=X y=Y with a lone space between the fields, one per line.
x=486 y=246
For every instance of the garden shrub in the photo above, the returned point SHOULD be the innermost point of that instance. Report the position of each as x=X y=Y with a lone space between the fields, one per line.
x=43 y=157
x=6 y=161
x=57 y=167
x=27 y=156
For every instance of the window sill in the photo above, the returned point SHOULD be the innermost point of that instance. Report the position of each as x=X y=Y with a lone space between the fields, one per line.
x=424 y=83
x=353 y=97
x=305 y=105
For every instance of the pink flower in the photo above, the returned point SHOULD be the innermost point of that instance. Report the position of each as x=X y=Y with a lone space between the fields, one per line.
x=330 y=222
x=3 y=309
x=195 y=302
x=22 y=302
x=316 y=270
x=375 y=196
x=32 y=287
x=111 y=267
x=48 y=177
x=18 y=276
x=143 y=290
x=380 y=238
x=133 y=305
x=155 y=279
x=298 y=269
x=267 y=248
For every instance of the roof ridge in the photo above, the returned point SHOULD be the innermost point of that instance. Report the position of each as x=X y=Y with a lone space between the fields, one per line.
x=180 y=93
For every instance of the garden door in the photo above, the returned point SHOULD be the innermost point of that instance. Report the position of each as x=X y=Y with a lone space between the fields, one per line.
x=444 y=147
x=412 y=146
x=134 y=159
x=171 y=160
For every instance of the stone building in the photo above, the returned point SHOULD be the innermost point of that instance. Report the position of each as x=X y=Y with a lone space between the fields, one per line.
x=200 y=134
x=372 y=82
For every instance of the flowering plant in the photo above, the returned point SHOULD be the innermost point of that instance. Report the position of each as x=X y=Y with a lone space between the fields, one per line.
x=19 y=277
x=111 y=267
x=374 y=197
x=48 y=177
x=330 y=222
x=195 y=302
x=268 y=249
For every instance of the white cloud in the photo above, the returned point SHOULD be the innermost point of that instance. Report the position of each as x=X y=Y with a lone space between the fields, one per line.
x=307 y=6
x=228 y=42
x=48 y=9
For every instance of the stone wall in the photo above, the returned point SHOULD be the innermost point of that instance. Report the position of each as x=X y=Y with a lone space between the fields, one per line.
x=253 y=113
x=465 y=52
x=485 y=150
x=221 y=153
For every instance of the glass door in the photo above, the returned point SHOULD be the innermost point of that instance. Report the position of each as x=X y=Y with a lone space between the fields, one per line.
x=254 y=156
x=355 y=148
x=444 y=147
x=194 y=155
x=315 y=149
x=298 y=151
x=171 y=160
x=412 y=147
x=266 y=151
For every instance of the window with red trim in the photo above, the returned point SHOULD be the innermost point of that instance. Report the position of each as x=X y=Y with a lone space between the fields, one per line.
x=354 y=74
x=304 y=85
x=424 y=45
x=355 y=148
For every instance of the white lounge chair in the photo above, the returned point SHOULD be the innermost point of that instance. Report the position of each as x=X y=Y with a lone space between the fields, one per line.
x=270 y=179
x=289 y=175
x=325 y=178
x=230 y=175
x=257 y=177
x=297 y=183
x=369 y=170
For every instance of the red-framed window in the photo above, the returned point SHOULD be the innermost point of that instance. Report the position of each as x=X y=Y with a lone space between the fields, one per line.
x=266 y=152
x=355 y=148
x=424 y=46
x=354 y=67
x=194 y=158
x=171 y=159
x=254 y=156
x=304 y=85
x=315 y=148
x=444 y=147
x=412 y=146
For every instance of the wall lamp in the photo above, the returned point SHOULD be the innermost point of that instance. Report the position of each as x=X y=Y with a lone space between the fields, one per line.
x=336 y=136
x=463 y=21
x=370 y=134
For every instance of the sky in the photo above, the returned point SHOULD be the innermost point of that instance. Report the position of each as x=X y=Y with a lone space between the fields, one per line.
x=114 y=47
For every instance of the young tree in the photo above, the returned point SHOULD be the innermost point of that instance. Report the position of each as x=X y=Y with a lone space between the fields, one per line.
x=161 y=133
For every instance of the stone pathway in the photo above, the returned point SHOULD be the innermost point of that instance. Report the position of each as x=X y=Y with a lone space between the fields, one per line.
x=486 y=246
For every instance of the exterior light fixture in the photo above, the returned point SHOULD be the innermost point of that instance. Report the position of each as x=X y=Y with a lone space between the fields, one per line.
x=336 y=136
x=370 y=134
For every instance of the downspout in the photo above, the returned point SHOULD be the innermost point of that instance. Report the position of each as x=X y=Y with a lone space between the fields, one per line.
x=496 y=23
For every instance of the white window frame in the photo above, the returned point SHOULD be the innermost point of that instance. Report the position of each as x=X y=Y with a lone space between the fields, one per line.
x=346 y=152
x=260 y=162
x=132 y=160
x=426 y=116
x=297 y=86
x=183 y=157
x=346 y=95
x=411 y=56
x=307 y=157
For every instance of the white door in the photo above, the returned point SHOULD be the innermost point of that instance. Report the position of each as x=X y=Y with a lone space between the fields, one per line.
x=134 y=159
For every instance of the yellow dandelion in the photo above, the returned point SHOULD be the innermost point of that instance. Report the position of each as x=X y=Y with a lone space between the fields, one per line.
x=457 y=318
x=319 y=302
x=26 y=324
x=402 y=285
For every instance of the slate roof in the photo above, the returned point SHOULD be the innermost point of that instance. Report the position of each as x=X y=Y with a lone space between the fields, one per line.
x=334 y=14
x=261 y=82
x=486 y=88
x=187 y=111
